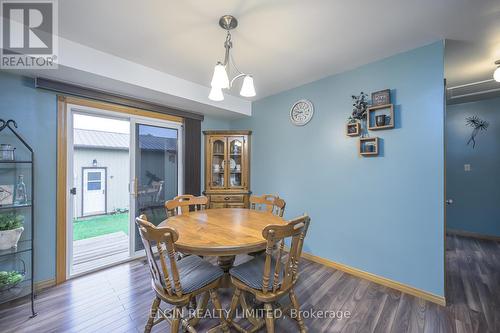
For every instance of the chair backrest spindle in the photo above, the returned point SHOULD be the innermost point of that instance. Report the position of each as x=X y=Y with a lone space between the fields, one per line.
x=183 y=204
x=296 y=229
x=268 y=202
x=163 y=238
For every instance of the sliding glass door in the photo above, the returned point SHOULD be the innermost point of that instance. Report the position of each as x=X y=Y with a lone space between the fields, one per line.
x=119 y=167
x=98 y=178
x=156 y=169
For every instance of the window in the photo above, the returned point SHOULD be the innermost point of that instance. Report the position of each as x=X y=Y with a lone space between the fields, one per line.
x=93 y=181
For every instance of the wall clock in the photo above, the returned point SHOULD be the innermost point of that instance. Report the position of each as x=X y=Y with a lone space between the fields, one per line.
x=301 y=112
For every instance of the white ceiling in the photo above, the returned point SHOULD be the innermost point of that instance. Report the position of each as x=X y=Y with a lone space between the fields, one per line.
x=285 y=43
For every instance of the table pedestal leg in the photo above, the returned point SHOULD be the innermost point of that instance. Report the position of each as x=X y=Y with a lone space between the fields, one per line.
x=226 y=263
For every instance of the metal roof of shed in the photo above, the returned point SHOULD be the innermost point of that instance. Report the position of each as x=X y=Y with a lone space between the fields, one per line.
x=120 y=141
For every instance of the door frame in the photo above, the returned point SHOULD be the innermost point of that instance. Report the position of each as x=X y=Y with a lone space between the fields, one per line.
x=105 y=188
x=63 y=253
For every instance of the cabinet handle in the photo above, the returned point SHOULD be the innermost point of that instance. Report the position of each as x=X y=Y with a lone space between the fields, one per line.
x=226 y=198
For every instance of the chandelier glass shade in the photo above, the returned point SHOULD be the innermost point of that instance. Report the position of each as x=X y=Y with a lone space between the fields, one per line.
x=220 y=78
x=216 y=94
x=496 y=73
x=247 y=88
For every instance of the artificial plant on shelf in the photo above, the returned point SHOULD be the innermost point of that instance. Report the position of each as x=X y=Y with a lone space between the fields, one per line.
x=10 y=279
x=11 y=228
x=11 y=221
x=359 y=111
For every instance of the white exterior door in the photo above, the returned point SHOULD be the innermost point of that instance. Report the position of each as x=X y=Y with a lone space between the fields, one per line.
x=94 y=191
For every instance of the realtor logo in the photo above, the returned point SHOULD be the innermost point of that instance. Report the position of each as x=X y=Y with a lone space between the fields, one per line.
x=29 y=34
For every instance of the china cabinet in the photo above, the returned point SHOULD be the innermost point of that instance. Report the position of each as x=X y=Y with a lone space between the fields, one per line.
x=227 y=168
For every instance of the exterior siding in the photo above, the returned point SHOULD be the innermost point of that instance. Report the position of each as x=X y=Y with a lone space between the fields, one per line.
x=118 y=176
x=161 y=165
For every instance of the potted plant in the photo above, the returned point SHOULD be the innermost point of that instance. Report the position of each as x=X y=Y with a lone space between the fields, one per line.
x=10 y=279
x=11 y=227
x=360 y=105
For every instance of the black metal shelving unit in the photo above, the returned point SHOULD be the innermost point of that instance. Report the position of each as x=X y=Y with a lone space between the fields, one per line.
x=24 y=246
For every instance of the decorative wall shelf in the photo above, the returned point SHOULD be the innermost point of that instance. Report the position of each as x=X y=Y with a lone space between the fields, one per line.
x=372 y=112
x=366 y=143
x=353 y=129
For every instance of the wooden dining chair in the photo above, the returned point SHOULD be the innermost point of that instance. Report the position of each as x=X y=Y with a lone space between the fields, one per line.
x=183 y=204
x=177 y=282
x=268 y=202
x=270 y=277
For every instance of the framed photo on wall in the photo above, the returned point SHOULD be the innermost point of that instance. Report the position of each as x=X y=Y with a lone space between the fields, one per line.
x=381 y=97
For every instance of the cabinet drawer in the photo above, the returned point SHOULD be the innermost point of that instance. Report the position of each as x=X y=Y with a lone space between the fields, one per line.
x=215 y=205
x=235 y=205
x=226 y=198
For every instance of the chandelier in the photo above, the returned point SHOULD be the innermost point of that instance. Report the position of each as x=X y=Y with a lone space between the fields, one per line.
x=220 y=79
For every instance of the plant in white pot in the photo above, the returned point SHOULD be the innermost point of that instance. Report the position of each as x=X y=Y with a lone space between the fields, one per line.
x=11 y=228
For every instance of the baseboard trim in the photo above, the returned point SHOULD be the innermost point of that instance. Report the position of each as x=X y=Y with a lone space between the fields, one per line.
x=378 y=279
x=42 y=285
x=473 y=235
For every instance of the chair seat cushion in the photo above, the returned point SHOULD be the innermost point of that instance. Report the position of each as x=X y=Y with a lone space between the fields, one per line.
x=195 y=273
x=252 y=272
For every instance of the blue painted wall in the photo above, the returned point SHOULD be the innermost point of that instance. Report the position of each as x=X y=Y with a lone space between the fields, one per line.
x=35 y=112
x=383 y=215
x=475 y=194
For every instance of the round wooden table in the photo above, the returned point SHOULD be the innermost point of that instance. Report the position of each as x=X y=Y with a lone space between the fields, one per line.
x=224 y=232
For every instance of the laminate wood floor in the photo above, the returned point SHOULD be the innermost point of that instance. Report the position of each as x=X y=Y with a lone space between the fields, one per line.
x=118 y=300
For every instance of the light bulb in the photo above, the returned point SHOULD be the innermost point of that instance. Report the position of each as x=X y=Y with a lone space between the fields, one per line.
x=496 y=74
x=216 y=94
x=247 y=88
x=220 y=79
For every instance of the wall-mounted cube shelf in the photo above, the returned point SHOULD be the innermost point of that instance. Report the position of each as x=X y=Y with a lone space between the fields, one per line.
x=353 y=129
x=368 y=146
x=380 y=110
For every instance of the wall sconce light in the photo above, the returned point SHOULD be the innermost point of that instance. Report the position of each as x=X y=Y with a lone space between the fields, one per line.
x=94 y=162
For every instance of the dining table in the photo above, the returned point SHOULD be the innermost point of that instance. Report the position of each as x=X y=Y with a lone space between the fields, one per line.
x=222 y=232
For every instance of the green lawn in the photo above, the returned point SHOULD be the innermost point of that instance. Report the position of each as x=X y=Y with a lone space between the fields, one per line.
x=88 y=227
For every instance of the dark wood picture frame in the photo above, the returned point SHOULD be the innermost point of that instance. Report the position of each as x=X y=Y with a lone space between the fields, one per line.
x=381 y=97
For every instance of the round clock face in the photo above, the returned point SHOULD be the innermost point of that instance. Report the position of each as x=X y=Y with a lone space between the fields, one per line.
x=301 y=112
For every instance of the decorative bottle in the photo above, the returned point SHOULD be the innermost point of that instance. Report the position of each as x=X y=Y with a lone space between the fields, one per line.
x=21 y=195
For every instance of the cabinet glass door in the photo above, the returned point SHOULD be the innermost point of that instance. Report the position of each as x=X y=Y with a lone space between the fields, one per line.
x=235 y=161
x=217 y=164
